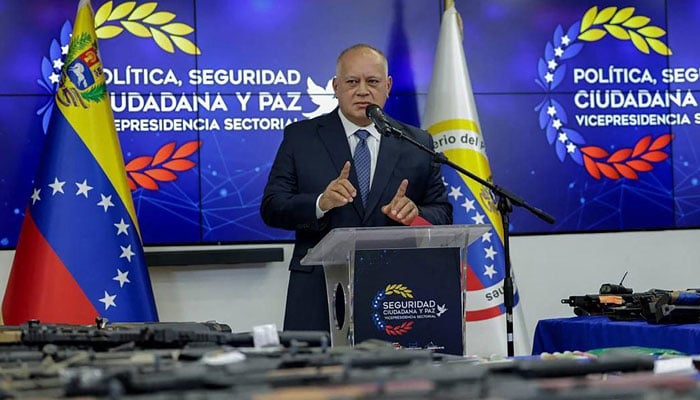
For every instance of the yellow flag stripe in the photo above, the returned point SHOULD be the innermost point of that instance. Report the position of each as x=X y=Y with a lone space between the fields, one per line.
x=454 y=124
x=100 y=137
x=95 y=125
x=477 y=165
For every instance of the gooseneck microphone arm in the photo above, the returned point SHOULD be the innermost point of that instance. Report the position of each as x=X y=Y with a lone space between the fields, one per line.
x=506 y=200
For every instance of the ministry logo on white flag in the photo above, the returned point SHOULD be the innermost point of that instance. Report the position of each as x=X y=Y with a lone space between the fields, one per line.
x=451 y=117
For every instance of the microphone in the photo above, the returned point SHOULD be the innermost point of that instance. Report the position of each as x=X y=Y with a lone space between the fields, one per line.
x=376 y=115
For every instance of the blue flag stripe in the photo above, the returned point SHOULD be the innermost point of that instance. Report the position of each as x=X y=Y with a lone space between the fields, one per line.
x=83 y=233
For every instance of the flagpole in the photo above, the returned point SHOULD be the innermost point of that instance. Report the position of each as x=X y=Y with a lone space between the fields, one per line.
x=506 y=200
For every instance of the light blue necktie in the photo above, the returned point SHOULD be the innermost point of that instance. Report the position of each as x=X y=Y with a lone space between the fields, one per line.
x=362 y=164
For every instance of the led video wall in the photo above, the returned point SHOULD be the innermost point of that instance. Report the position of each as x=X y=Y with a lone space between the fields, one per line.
x=589 y=109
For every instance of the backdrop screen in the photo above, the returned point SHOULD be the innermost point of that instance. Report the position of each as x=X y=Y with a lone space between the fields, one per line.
x=589 y=109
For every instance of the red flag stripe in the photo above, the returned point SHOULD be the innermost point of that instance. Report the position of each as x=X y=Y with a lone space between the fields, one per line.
x=37 y=265
x=480 y=315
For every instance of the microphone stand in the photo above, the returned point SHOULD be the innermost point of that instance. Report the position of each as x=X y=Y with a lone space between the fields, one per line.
x=506 y=200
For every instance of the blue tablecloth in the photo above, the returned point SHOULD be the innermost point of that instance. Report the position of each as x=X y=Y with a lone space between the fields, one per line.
x=595 y=332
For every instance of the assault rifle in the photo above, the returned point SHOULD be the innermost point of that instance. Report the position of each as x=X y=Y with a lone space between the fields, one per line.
x=656 y=306
x=616 y=302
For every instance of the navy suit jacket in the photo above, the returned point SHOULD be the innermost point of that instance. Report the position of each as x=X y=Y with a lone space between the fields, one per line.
x=312 y=154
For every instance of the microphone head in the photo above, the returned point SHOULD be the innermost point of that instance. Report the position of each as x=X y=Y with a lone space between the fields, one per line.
x=372 y=110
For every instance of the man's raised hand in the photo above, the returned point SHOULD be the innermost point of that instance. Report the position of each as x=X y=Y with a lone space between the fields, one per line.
x=339 y=192
x=401 y=208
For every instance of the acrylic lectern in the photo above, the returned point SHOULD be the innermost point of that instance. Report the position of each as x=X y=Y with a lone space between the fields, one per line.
x=405 y=285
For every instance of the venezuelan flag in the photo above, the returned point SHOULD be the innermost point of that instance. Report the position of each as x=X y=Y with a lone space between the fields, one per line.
x=79 y=254
x=451 y=117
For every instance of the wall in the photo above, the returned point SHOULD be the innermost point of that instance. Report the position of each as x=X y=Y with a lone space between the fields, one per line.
x=551 y=268
x=548 y=269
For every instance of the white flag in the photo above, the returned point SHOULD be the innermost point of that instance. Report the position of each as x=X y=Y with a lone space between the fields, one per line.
x=451 y=117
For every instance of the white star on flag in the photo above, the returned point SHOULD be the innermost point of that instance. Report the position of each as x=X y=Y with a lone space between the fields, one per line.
x=556 y=123
x=106 y=202
x=122 y=228
x=468 y=204
x=562 y=137
x=552 y=64
x=558 y=52
x=551 y=111
x=57 y=63
x=54 y=77
x=83 y=188
x=455 y=192
x=490 y=252
x=490 y=271
x=486 y=237
x=108 y=300
x=565 y=40
x=35 y=196
x=478 y=218
x=121 y=277
x=126 y=252
x=57 y=186
x=570 y=147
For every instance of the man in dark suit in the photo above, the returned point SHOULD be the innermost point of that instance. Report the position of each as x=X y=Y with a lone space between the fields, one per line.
x=313 y=185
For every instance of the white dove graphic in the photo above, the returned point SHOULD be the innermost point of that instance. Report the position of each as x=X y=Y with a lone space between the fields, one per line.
x=324 y=98
x=441 y=310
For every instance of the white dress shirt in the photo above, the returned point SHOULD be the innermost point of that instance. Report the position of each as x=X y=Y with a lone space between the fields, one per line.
x=373 y=141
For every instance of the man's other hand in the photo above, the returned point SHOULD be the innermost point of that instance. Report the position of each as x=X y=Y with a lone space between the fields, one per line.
x=339 y=192
x=401 y=208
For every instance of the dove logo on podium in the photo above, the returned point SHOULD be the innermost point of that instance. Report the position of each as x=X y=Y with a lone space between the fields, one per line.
x=324 y=98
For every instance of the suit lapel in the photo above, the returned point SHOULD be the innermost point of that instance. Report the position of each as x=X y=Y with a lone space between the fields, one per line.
x=332 y=134
x=389 y=153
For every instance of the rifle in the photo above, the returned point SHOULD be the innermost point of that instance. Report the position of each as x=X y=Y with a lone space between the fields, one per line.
x=617 y=302
x=656 y=306
x=673 y=307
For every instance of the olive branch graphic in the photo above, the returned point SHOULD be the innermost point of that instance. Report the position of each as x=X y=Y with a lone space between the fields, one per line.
x=623 y=25
x=146 y=171
x=627 y=161
x=144 y=21
x=399 y=289
x=399 y=329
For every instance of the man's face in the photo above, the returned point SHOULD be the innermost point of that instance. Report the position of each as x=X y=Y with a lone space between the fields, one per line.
x=361 y=80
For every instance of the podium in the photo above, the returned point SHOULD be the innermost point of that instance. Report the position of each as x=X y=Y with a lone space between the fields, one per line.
x=403 y=284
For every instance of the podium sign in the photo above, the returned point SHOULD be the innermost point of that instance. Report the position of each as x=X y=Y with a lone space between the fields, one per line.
x=411 y=297
x=405 y=285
